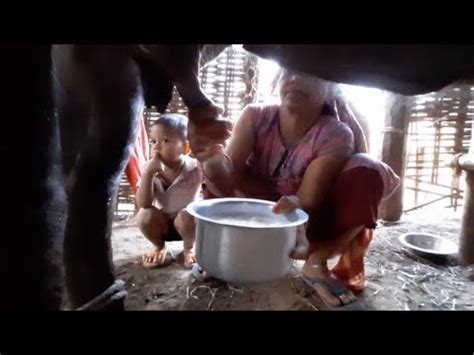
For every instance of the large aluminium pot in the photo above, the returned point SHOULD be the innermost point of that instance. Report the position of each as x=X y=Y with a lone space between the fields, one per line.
x=241 y=240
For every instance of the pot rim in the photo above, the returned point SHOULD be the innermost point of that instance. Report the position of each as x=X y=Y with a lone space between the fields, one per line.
x=302 y=217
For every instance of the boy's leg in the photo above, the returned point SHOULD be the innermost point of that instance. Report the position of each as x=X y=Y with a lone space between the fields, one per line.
x=186 y=227
x=154 y=224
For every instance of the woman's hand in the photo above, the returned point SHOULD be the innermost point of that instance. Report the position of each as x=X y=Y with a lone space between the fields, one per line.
x=219 y=171
x=287 y=204
x=206 y=133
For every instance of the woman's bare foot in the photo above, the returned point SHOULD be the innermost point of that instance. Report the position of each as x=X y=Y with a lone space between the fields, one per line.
x=189 y=257
x=299 y=252
x=158 y=257
x=330 y=290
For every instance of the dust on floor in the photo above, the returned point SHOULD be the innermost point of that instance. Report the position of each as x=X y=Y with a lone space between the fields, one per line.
x=396 y=278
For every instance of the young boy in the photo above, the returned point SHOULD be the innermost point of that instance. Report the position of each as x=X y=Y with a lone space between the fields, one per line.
x=170 y=181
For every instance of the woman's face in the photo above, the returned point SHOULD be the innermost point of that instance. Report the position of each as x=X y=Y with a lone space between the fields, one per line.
x=299 y=89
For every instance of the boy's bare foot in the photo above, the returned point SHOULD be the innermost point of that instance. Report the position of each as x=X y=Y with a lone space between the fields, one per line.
x=330 y=290
x=157 y=258
x=189 y=258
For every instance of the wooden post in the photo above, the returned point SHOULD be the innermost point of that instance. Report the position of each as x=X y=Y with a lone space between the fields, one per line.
x=393 y=152
x=466 y=240
x=461 y=119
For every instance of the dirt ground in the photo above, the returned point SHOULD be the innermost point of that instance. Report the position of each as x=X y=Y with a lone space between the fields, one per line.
x=396 y=278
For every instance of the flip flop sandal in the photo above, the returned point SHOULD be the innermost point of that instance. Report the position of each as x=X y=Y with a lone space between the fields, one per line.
x=335 y=289
x=165 y=259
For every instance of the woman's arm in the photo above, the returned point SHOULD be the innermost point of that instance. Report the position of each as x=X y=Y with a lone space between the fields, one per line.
x=318 y=179
x=225 y=174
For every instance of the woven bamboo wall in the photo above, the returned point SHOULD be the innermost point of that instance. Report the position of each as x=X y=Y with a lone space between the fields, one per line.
x=440 y=126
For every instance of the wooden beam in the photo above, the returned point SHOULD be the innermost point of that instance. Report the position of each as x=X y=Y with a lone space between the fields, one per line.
x=394 y=151
x=466 y=240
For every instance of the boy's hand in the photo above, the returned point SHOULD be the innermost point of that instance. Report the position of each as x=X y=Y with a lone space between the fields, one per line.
x=287 y=204
x=153 y=166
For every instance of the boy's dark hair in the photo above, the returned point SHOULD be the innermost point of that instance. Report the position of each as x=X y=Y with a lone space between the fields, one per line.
x=175 y=122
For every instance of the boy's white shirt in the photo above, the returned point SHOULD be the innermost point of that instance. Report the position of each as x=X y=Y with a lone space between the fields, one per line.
x=184 y=189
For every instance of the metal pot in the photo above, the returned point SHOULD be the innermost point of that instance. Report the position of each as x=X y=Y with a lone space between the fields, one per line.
x=427 y=245
x=241 y=240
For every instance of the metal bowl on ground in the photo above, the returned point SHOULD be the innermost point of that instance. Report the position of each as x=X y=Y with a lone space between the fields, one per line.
x=241 y=240
x=427 y=245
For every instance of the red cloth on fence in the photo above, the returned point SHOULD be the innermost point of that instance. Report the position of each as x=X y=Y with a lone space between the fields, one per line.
x=138 y=158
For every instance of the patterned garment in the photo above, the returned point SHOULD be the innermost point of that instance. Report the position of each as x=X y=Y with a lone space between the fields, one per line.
x=353 y=199
x=282 y=167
